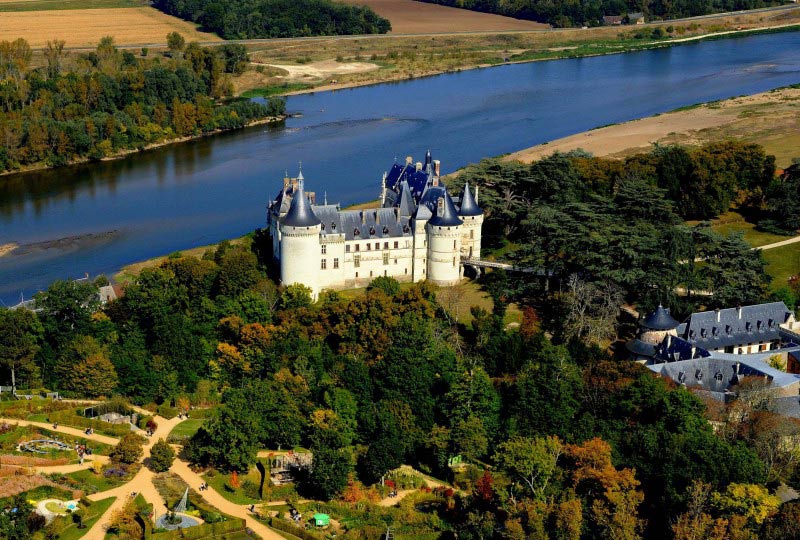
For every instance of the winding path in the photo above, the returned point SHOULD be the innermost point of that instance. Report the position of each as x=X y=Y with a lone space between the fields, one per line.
x=105 y=439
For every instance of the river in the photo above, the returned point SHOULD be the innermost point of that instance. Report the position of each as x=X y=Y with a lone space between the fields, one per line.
x=109 y=214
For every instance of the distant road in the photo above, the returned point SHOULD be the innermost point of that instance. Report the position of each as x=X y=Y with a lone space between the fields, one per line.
x=788 y=7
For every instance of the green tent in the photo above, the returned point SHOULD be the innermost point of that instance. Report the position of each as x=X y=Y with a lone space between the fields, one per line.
x=322 y=520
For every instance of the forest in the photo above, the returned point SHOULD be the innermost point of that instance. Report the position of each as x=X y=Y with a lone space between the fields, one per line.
x=565 y=14
x=564 y=439
x=276 y=18
x=107 y=101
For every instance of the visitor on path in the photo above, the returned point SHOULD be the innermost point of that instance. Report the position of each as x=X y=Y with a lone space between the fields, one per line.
x=55 y=425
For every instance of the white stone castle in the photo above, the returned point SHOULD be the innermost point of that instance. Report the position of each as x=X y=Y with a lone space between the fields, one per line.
x=418 y=233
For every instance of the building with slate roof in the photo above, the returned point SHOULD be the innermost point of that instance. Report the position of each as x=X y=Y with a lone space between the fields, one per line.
x=419 y=232
x=714 y=350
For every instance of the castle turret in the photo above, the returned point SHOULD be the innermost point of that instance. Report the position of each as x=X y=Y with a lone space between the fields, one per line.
x=444 y=230
x=472 y=216
x=300 y=229
x=652 y=330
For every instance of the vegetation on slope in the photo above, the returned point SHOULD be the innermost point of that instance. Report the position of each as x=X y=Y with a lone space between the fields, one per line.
x=566 y=14
x=113 y=101
x=235 y=19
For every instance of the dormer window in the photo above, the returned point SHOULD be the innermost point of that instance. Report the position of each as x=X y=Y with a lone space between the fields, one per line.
x=728 y=329
x=691 y=334
x=718 y=376
x=703 y=332
x=681 y=376
x=772 y=323
x=372 y=231
x=356 y=232
x=698 y=375
x=715 y=332
x=333 y=226
x=323 y=226
x=748 y=326
x=760 y=326
x=385 y=229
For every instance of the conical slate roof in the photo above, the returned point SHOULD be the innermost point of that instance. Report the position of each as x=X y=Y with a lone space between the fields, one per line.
x=300 y=212
x=446 y=216
x=660 y=319
x=468 y=205
x=406 y=203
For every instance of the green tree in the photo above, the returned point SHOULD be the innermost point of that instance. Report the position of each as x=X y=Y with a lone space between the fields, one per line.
x=175 y=42
x=531 y=461
x=20 y=334
x=330 y=469
x=85 y=369
x=161 y=456
x=128 y=450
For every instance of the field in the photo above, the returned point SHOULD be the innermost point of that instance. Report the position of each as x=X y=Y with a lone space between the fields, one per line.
x=48 y=5
x=771 y=119
x=85 y=27
x=410 y=17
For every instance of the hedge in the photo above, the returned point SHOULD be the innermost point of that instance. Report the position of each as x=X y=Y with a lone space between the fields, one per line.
x=285 y=526
x=207 y=530
x=72 y=419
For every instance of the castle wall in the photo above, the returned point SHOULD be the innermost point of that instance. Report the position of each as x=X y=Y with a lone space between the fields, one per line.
x=471 y=236
x=299 y=257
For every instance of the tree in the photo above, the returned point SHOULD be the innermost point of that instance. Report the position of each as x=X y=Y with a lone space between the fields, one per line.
x=388 y=285
x=753 y=502
x=20 y=332
x=785 y=525
x=330 y=470
x=53 y=53
x=175 y=42
x=161 y=456
x=85 y=369
x=128 y=450
x=532 y=461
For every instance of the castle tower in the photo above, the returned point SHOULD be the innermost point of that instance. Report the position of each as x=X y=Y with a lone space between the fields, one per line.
x=444 y=231
x=472 y=216
x=300 y=229
x=652 y=330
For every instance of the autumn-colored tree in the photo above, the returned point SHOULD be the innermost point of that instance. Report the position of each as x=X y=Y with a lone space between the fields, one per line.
x=531 y=461
x=235 y=480
x=611 y=494
x=751 y=501
x=484 y=487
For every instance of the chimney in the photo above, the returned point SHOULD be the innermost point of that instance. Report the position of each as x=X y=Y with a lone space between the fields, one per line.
x=437 y=167
x=476 y=194
x=409 y=160
x=377 y=218
x=718 y=314
x=694 y=350
x=418 y=165
x=739 y=312
x=397 y=214
x=435 y=181
x=363 y=218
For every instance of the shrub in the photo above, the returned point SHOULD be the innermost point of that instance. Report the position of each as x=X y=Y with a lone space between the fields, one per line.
x=161 y=456
x=128 y=450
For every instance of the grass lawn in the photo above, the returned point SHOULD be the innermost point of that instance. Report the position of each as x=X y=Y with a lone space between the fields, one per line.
x=93 y=513
x=732 y=222
x=94 y=483
x=783 y=262
x=219 y=481
x=186 y=429
x=278 y=89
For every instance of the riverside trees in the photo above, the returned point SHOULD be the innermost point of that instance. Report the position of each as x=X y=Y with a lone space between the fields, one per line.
x=111 y=101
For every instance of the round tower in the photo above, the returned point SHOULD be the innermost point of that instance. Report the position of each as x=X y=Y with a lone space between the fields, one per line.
x=472 y=216
x=444 y=232
x=652 y=330
x=300 y=230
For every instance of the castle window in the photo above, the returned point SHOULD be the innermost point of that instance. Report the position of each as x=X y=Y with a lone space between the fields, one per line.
x=369 y=246
x=324 y=264
x=357 y=261
x=396 y=245
x=370 y=273
x=385 y=258
x=386 y=245
x=395 y=261
x=406 y=271
x=347 y=248
x=385 y=273
x=377 y=245
x=471 y=234
x=454 y=244
x=358 y=247
x=324 y=249
x=336 y=262
x=454 y=262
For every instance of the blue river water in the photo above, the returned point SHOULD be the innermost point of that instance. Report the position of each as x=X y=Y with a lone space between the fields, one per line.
x=98 y=217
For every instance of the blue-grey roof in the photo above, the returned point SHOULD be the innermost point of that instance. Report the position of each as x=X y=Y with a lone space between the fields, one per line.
x=660 y=319
x=719 y=372
x=640 y=348
x=675 y=348
x=406 y=204
x=444 y=215
x=417 y=180
x=381 y=223
x=468 y=205
x=300 y=212
x=735 y=326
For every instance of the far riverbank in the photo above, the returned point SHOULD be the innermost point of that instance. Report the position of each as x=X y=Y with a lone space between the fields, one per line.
x=41 y=166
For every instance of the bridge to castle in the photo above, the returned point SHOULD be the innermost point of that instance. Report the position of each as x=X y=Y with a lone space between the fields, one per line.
x=480 y=263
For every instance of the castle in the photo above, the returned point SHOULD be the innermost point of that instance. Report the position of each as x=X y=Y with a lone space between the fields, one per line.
x=418 y=233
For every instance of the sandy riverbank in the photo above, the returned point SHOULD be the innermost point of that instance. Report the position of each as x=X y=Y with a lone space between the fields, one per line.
x=771 y=119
